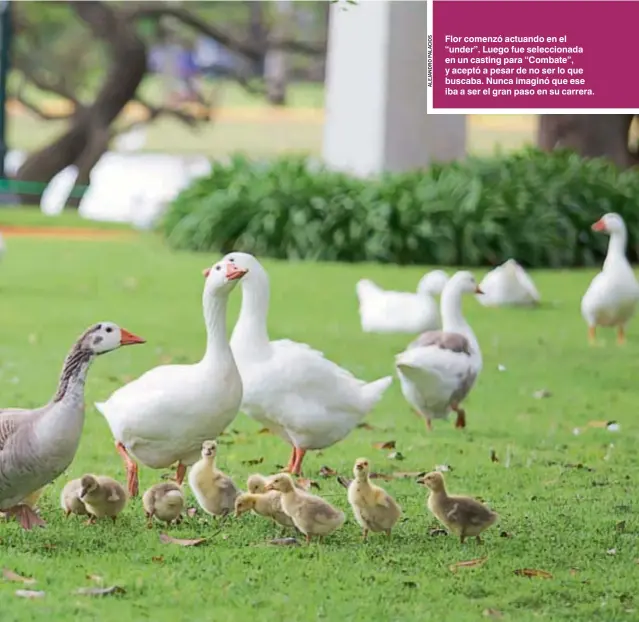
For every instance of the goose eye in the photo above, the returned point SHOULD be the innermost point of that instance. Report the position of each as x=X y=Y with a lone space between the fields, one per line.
x=218 y=268
x=109 y=329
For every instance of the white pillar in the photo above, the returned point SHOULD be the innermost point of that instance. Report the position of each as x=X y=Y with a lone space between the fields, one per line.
x=376 y=82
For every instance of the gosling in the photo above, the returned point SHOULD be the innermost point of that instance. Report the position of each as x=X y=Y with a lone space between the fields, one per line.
x=311 y=514
x=70 y=499
x=256 y=483
x=164 y=501
x=214 y=491
x=462 y=516
x=102 y=496
x=267 y=504
x=374 y=509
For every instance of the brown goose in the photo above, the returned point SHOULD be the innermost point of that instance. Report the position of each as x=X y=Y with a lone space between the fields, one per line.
x=37 y=445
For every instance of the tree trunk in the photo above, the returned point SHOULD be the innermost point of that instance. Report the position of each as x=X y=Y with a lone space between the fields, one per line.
x=589 y=135
x=86 y=140
x=257 y=31
x=275 y=65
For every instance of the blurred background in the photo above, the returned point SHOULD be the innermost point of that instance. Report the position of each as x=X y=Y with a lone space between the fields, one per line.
x=123 y=109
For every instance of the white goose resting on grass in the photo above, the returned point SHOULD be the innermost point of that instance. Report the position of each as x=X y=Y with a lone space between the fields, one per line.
x=508 y=285
x=289 y=388
x=384 y=311
x=439 y=368
x=611 y=299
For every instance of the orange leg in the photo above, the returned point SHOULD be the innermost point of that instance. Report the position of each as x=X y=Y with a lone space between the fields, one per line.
x=27 y=518
x=132 y=481
x=592 y=335
x=621 y=335
x=291 y=462
x=180 y=473
x=297 y=465
x=461 y=416
x=429 y=423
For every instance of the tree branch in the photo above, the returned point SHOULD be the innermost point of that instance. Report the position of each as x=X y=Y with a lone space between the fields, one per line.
x=157 y=111
x=57 y=86
x=255 y=88
x=252 y=51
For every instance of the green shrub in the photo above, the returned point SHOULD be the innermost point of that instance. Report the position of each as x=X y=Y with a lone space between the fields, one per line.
x=530 y=205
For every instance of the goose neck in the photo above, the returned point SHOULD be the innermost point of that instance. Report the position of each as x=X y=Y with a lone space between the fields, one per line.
x=217 y=343
x=73 y=375
x=209 y=461
x=451 y=309
x=290 y=494
x=439 y=494
x=60 y=430
x=251 y=332
x=616 y=246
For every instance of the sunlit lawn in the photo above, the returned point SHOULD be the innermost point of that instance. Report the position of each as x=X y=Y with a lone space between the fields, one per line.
x=567 y=500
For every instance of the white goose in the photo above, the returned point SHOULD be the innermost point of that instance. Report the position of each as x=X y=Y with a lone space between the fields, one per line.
x=612 y=297
x=439 y=368
x=383 y=311
x=508 y=285
x=165 y=415
x=290 y=388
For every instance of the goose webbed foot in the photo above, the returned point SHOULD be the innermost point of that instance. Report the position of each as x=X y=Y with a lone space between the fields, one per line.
x=27 y=517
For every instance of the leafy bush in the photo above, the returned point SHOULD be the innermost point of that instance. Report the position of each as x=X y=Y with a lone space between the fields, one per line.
x=530 y=205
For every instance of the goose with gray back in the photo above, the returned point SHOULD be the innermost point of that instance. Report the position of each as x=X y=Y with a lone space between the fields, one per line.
x=36 y=446
x=439 y=368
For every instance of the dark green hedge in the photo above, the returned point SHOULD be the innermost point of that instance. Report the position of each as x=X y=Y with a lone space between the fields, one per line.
x=530 y=205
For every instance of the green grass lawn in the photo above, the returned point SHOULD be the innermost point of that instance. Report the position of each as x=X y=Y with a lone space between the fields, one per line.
x=33 y=217
x=562 y=519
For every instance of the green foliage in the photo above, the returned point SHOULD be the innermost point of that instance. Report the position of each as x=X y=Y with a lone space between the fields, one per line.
x=55 y=46
x=530 y=205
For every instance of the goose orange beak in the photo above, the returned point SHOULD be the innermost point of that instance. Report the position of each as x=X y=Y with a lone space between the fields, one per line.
x=598 y=226
x=128 y=339
x=478 y=290
x=233 y=272
x=268 y=487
